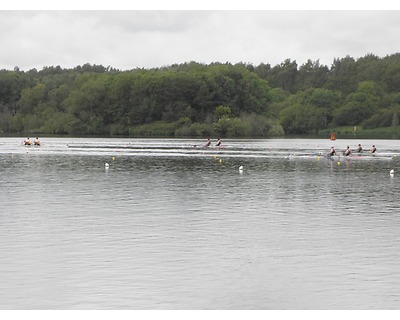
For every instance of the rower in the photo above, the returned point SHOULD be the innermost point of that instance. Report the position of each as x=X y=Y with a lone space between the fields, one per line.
x=36 y=142
x=347 y=152
x=359 y=148
x=27 y=142
x=332 y=152
x=373 y=149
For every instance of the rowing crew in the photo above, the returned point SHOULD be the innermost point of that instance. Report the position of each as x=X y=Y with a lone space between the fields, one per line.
x=348 y=151
x=208 y=143
x=28 y=142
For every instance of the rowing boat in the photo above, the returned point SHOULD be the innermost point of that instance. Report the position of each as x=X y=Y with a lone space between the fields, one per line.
x=145 y=147
x=360 y=156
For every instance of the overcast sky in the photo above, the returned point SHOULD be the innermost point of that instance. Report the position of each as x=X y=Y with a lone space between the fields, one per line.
x=129 y=39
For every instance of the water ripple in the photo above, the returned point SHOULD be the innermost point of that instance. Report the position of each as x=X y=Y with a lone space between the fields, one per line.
x=192 y=233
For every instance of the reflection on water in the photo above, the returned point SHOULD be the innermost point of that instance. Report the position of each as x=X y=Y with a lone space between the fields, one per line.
x=172 y=232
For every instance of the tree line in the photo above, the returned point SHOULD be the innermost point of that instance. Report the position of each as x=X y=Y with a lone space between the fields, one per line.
x=195 y=99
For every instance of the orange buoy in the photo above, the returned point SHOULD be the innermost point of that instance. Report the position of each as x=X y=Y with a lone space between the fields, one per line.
x=333 y=136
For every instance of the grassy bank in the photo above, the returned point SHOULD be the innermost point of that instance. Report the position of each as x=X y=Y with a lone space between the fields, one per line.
x=163 y=130
x=359 y=132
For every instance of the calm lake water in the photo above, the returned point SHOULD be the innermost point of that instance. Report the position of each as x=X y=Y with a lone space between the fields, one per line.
x=170 y=226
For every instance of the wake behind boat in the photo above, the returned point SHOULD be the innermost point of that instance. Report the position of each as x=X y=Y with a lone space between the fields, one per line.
x=146 y=147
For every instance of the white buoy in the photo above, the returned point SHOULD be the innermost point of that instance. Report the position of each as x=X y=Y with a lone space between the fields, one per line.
x=106 y=165
x=392 y=171
x=241 y=168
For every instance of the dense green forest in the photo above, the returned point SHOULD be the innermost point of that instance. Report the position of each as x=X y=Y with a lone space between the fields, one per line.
x=194 y=99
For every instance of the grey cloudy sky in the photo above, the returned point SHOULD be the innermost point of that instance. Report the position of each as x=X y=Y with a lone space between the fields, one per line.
x=128 y=39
